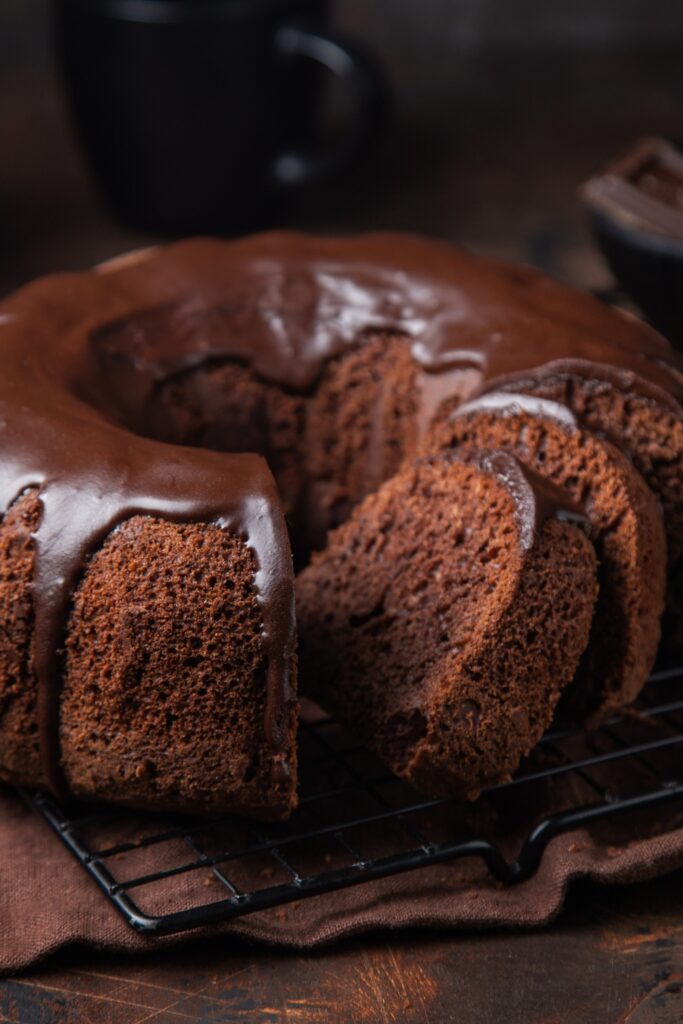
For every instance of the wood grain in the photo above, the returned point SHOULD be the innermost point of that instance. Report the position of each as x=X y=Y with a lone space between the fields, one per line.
x=614 y=957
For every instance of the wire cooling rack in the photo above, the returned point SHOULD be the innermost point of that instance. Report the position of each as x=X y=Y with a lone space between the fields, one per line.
x=356 y=823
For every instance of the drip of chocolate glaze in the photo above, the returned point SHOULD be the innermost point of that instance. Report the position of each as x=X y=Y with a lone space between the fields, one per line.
x=509 y=403
x=551 y=500
x=536 y=498
x=83 y=353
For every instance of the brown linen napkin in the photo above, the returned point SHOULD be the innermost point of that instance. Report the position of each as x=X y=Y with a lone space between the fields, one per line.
x=47 y=902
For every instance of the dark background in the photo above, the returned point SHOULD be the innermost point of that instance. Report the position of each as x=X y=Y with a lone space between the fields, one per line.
x=502 y=108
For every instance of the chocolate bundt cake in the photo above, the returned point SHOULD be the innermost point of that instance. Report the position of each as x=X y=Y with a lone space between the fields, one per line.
x=443 y=619
x=625 y=525
x=147 y=649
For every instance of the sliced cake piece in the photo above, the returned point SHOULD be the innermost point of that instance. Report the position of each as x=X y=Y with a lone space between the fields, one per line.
x=443 y=619
x=645 y=424
x=164 y=686
x=626 y=527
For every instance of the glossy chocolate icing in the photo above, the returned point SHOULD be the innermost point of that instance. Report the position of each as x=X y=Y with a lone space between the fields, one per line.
x=82 y=353
x=509 y=403
x=550 y=501
x=285 y=304
x=536 y=499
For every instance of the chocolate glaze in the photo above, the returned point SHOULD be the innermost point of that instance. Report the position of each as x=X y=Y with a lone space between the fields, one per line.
x=551 y=499
x=286 y=304
x=508 y=403
x=536 y=498
x=82 y=353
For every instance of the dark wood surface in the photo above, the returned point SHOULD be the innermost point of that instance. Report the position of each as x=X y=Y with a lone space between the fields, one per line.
x=488 y=153
x=615 y=955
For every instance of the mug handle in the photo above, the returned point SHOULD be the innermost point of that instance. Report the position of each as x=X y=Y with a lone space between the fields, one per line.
x=349 y=60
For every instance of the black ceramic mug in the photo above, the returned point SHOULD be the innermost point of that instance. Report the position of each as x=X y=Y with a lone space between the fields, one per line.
x=198 y=115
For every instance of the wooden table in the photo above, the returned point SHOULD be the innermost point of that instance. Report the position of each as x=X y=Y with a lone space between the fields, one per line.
x=489 y=153
x=615 y=955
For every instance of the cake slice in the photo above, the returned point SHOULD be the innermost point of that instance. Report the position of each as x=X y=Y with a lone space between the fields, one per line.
x=647 y=425
x=163 y=696
x=625 y=525
x=444 y=618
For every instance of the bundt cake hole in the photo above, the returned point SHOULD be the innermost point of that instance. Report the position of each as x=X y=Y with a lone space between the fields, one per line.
x=327 y=448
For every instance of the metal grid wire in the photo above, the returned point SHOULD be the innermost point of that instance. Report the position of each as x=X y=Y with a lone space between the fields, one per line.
x=356 y=822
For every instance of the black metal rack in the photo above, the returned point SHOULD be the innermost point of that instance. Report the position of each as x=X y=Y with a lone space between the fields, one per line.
x=356 y=823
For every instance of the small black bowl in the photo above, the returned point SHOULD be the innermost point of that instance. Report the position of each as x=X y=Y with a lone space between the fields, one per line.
x=636 y=212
